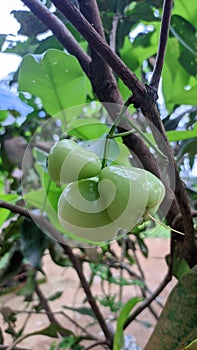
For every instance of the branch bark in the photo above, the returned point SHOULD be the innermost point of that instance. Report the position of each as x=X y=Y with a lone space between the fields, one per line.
x=100 y=46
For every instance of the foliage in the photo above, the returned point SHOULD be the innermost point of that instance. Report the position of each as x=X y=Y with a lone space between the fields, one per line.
x=56 y=94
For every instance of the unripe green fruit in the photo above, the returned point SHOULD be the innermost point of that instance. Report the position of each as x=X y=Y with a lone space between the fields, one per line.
x=139 y=193
x=120 y=200
x=81 y=210
x=68 y=162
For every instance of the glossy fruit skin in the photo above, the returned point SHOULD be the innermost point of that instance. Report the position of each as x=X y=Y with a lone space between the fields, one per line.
x=120 y=199
x=81 y=210
x=138 y=191
x=69 y=162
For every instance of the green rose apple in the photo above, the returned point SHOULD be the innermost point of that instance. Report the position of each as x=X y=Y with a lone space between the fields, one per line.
x=139 y=193
x=69 y=162
x=120 y=199
x=81 y=210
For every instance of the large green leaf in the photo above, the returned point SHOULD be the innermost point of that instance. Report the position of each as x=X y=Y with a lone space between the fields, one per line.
x=178 y=321
x=33 y=243
x=178 y=86
x=56 y=78
x=4 y=213
x=185 y=33
x=124 y=313
x=175 y=136
x=186 y=9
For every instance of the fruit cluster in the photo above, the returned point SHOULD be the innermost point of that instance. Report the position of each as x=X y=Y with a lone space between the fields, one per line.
x=98 y=204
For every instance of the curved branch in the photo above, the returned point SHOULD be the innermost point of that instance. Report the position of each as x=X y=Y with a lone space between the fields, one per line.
x=60 y=31
x=149 y=300
x=100 y=46
x=165 y=26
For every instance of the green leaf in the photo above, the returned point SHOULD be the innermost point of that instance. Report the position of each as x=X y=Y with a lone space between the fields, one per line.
x=86 y=128
x=186 y=35
x=180 y=266
x=188 y=61
x=2 y=40
x=124 y=313
x=98 y=146
x=178 y=321
x=186 y=9
x=121 y=281
x=3 y=115
x=56 y=78
x=51 y=331
x=184 y=32
x=175 y=136
x=177 y=85
x=33 y=243
x=11 y=264
x=4 y=213
x=41 y=157
x=55 y=296
x=81 y=310
x=1 y=336
x=57 y=254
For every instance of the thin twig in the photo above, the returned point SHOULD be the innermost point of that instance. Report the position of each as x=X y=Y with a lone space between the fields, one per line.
x=149 y=300
x=112 y=37
x=46 y=226
x=49 y=312
x=60 y=31
x=96 y=344
x=165 y=26
x=76 y=263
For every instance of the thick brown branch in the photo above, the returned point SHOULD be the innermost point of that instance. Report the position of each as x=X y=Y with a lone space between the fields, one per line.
x=99 y=45
x=60 y=31
x=151 y=112
x=103 y=81
x=165 y=25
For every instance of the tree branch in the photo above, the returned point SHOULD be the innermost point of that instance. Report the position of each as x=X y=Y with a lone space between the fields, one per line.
x=103 y=81
x=49 y=312
x=165 y=26
x=60 y=31
x=148 y=301
x=100 y=46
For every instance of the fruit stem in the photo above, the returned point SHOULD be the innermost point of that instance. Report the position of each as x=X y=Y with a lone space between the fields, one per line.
x=144 y=136
x=110 y=134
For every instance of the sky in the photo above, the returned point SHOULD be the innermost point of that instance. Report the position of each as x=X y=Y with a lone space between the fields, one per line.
x=8 y=25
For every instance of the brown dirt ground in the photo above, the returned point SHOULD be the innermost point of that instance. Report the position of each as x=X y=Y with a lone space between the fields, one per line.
x=66 y=280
